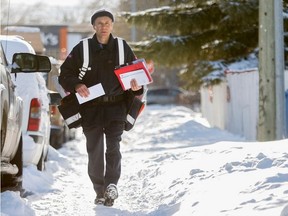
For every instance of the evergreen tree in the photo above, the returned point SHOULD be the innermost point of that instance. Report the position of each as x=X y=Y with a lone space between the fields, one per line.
x=197 y=33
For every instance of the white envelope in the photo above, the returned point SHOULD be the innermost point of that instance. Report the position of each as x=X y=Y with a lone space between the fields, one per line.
x=95 y=91
x=139 y=75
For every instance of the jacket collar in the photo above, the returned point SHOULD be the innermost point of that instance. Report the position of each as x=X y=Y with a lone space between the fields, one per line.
x=97 y=46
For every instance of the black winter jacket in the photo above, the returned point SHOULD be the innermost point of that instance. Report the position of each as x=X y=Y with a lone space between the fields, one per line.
x=102 y=59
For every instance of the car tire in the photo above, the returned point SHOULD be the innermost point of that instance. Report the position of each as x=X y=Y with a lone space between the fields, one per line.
x=41 y=163
x=14 y=182
x=46 y=155
x=3 y=129
x=56 y=139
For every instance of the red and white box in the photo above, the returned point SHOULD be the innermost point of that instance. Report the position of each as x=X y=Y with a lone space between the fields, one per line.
x=136 y=70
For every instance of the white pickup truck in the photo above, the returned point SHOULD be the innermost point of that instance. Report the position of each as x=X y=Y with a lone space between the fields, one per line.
x=11 y=108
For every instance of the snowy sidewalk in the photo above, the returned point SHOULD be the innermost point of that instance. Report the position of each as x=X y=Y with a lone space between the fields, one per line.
x=172 y=165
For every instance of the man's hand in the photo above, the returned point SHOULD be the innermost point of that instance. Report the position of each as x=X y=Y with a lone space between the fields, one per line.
x=82 y=90
x=134 y=85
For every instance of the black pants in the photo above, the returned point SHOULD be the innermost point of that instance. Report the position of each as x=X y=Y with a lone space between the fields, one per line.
x=100 y=175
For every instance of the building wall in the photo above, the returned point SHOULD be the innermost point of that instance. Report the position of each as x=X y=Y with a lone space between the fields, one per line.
x=213 y=104
x=233 y=104
x=243 y=105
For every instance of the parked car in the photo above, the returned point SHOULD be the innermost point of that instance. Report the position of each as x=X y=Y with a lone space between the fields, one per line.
x=36 y=117
x=167 y=95
x=11 y=114
x=60 y=133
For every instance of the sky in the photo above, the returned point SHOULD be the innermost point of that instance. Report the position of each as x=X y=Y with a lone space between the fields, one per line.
x=173 y=163
x=50 y=12
x=50 y=2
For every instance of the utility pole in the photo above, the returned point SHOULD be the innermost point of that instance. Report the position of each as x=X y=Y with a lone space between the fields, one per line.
x=133 y=29
x=271 y=123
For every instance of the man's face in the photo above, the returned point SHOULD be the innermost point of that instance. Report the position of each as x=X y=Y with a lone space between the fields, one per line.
x=103 y=26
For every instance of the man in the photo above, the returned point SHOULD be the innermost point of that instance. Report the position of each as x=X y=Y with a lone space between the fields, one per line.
x=105 y=115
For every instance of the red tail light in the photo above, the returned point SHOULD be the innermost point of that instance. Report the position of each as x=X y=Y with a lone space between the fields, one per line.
x=53 y=109
x=34 y=115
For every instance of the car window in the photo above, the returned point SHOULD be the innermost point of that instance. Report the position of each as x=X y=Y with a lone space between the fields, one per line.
x=160 y=92
x=173 y=92
x=55 y=98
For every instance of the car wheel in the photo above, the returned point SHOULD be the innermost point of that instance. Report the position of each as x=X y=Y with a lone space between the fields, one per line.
x=41 y=163
x=3 y=131
x=56 y=140
x=14 y=182
x=46 y=155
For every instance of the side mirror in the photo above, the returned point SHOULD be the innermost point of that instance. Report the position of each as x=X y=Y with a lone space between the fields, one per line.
x=30 y=63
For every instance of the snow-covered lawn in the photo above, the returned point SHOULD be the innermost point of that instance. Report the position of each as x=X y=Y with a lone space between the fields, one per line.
x=173 y=164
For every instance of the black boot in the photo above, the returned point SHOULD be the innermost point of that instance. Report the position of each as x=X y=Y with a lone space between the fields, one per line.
x=110 y=195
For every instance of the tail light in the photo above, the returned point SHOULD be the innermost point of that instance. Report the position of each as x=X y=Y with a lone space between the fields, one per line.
x=55 y=117
x=53 y=109
x=34 y=115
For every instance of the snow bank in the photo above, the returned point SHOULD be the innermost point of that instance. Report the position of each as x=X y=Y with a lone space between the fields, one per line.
x=173 y=164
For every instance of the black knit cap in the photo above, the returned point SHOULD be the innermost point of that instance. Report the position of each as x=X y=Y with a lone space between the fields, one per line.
x=101 y=13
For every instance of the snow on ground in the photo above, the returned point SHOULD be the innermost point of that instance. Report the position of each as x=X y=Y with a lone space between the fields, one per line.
x=173 y=164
